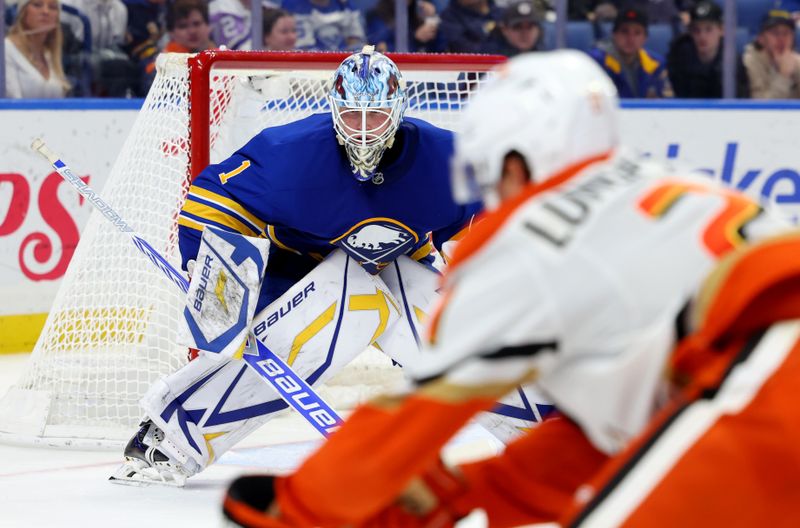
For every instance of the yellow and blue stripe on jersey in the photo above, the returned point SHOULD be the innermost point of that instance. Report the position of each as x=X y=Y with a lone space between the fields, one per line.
x=204 y=207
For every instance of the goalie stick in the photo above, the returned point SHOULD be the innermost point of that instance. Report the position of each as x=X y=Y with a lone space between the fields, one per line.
x=292 y=388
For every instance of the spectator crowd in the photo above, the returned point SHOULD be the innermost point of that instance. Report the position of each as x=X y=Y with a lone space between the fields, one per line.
x=649 y=48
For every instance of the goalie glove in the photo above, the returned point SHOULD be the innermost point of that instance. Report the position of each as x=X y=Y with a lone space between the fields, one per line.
x=250 y=502
x=247 y=500
x=429 y=501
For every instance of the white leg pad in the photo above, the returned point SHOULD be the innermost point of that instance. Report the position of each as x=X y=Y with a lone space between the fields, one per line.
x=318 y=326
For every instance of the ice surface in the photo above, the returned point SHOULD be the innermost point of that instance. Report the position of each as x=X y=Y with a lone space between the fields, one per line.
x=41 y=487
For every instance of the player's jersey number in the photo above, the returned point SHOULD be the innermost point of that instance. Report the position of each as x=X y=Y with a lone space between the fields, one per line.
x=225 y=176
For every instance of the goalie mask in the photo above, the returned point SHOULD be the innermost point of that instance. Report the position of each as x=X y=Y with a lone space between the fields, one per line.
x=368 y=99
x=556 y=109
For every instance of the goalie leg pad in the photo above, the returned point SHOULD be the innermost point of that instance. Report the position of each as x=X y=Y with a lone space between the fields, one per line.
x=186 y=404
x=516 y=413
x=414 y=286
x=329 y=317
x=318 y=326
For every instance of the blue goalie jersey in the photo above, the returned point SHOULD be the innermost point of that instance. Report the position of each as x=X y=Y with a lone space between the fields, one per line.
x=294 y=185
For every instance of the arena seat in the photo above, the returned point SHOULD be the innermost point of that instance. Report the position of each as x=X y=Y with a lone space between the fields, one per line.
x=659 y=37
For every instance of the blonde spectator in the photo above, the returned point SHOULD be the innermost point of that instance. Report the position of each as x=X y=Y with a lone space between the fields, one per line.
x=33 y=52
x=280 y=30
x=771 y=62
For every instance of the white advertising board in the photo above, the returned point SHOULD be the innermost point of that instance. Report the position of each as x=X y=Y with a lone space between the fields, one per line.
x=40 y=215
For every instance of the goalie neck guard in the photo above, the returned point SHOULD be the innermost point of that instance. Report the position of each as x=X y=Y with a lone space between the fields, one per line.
x=368 y=99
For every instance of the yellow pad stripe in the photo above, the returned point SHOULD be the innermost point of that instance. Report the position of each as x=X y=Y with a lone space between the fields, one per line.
x=239 y=354
x=376 y=301
x=307 y=333
x=208 y=437
x=421 y=315
x=219 y=289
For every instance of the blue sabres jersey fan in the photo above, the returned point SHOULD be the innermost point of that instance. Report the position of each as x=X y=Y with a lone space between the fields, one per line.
x=326 y=26
x=294 y=184
x=648 y=78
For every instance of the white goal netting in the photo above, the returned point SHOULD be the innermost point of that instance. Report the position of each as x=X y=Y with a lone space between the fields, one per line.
x=111 y=331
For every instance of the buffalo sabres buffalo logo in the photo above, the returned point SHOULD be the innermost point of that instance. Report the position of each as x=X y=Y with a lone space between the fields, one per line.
x=376 y=242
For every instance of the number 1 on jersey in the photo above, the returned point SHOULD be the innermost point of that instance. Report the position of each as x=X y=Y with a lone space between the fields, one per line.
x=225 y=176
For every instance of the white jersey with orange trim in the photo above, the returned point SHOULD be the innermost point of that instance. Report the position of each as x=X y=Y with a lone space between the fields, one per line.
x=582 y=280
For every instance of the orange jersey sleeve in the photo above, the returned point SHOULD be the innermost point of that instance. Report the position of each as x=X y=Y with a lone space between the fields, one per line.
x=366 y=464
x=748 y=292
x=536 y=477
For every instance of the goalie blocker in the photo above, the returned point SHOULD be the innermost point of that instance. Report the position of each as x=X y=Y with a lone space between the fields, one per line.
x=223 y=292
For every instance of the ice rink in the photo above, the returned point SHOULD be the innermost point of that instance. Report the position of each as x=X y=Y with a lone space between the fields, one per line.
x=48 y=487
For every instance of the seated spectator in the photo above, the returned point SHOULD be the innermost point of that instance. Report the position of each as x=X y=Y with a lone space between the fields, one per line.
x=635 y=71
x=114 y=74
x=326 y=25
x=146 y=21
x=423 y=26
x=230 y=23
x=108 y=20
x=467 y=24
x=187 y=24
x=773 y=66
x=279 y=30
x=519 y=30
x=33 y=52
x=694 y=62
x=74 y=60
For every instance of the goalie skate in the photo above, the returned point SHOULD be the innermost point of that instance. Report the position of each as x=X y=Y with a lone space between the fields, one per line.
x=148 y=460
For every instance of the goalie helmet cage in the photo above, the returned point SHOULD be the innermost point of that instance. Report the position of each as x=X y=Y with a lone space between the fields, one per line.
x=112 y=328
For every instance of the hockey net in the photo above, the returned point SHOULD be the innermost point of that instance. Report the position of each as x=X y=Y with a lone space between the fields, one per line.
x=112 y=328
